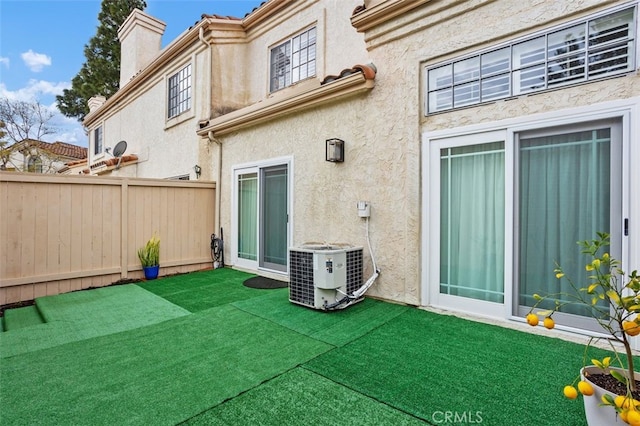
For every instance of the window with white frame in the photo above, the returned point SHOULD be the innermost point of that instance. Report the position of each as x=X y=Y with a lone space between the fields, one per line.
x=598 y=47
x=293 y=60
x=179 y=92
x=97 y=141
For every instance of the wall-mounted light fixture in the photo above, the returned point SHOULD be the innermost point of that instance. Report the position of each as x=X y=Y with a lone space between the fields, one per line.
x=335 y=150
x=198 y=170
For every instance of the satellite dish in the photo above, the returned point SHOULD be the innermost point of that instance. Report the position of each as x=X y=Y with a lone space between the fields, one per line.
x=119 y=149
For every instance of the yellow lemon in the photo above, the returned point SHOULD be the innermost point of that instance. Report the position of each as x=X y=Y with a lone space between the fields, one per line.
x=570 y=392
x=623 y=401
x=585 y=388
x=532 y=319
x=633 y=417
x=549 y=323
x=623 y=415
x=631 y=328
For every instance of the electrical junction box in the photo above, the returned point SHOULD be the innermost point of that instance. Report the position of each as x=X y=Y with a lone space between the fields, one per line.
x=364 y=209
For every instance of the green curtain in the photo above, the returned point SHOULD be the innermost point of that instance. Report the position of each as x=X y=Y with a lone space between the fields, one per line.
x=472 y=222
x=248 y=216
x=564 y=183
x=274 y=216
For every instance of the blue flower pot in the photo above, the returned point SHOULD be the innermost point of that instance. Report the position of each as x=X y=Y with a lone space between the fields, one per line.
x=151 y=272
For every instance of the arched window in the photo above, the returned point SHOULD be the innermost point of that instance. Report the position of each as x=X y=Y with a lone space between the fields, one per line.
x=35 y=164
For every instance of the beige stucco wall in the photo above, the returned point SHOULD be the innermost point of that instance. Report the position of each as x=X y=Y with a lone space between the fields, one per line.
x=325 y=194
x=164 y=148
x=338 y=46
x=401 y=50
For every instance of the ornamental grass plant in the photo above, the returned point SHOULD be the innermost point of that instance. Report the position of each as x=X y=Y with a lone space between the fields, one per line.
x=618 y=317
x=149 y=255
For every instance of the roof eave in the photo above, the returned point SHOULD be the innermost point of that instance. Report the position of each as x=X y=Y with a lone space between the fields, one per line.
x=383 y=12
x=275 y=107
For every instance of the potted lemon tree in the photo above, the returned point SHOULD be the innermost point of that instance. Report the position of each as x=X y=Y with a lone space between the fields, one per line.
x=610 y=385
x=149 y=256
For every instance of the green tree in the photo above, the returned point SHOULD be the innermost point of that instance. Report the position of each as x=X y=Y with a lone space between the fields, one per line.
x=100 y=74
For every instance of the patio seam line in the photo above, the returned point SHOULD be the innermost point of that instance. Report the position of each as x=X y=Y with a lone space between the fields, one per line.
x=366 y=395
x=242 y=393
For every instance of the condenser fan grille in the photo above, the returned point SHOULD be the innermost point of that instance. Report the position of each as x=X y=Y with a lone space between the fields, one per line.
x=301 y=288
x=354 y=270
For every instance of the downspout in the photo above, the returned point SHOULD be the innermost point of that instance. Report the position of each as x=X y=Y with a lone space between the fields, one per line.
x=201 y=37
x=210 y=136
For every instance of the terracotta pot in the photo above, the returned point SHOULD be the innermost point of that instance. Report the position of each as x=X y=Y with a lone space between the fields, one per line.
x=596 y=414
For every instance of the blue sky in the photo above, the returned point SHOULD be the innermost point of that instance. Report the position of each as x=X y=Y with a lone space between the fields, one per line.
x=42 y=43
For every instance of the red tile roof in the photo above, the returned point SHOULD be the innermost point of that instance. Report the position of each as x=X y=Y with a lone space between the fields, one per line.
x=62 y=149
x=359 y=9
x=369 y=72
x=68 y=150
x=115 y=161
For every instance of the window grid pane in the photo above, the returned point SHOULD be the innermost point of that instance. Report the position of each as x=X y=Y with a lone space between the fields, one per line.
x=293 y=60
x=592 y=49
x=179 y=92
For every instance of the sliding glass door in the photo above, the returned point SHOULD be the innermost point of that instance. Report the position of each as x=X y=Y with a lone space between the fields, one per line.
x=262 y=217
x=510 y=205
x=569 y=188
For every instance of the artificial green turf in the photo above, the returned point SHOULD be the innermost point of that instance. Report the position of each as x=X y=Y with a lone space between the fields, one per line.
x=156 y=375
x=428 y=364
x=300 y=397
x=18 y=318
x=335 y=327
x=204 y=289
x=84 y=314
x=108 y=305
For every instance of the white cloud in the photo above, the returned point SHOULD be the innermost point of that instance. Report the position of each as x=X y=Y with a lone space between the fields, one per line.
x=66 y=129
x=35 y=90
x=4 y=61
x=35 y=61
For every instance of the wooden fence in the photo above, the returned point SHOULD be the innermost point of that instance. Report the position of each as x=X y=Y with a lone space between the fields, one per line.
x=65 y=233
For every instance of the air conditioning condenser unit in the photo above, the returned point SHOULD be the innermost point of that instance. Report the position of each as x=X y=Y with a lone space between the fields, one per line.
x=322 y=274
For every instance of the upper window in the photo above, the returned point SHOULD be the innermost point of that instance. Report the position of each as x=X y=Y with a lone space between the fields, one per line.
x=583 y=51
x=97 y=141
x=293 y=60
x=179 y=92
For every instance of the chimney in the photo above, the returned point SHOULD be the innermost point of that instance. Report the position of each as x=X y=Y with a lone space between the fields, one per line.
x=140 y=42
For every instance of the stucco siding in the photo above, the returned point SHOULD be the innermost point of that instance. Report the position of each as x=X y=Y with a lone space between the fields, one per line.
x=325 y=194
x=167 y=150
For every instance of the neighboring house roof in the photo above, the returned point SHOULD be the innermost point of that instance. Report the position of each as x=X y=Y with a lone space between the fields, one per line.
x=61 y=149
